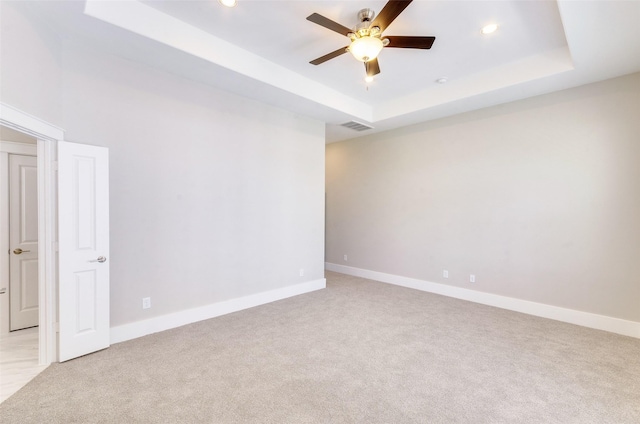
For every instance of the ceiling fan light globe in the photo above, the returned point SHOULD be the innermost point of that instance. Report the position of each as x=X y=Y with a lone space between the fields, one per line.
x=366 y=49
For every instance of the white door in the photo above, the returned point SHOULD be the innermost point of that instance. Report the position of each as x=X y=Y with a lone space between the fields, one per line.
x=23 y=242
x=83 y=234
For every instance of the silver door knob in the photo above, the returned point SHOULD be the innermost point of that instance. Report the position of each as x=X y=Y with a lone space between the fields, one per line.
x=100 y=259
x=19 y=251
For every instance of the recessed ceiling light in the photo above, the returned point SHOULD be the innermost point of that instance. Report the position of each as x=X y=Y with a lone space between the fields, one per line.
x=228 y=3
x=442 y=80
x=368 y=79
x=489 y=28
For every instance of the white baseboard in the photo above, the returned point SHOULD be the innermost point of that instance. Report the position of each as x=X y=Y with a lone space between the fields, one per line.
x=585 y=319
x=137 y=329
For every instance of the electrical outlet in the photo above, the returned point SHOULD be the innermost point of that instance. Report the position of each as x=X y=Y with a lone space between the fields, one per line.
x=146 y=302
x=445 y=273
x=472 y=278
x=345 y=258
x=301 y=272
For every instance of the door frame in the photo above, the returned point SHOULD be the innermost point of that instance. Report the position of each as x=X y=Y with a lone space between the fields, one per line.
x=47 y=135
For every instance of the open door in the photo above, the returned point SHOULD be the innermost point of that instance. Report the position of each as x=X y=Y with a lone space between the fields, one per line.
x=83 y=235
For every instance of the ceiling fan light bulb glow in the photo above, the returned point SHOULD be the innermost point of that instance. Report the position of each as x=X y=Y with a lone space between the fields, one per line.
x=368 y=79
x=228 y=3
x=489 y=29
x=365 y=49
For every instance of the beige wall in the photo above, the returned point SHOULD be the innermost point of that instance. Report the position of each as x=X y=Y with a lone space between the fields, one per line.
x=213 y=196
x=540 y=199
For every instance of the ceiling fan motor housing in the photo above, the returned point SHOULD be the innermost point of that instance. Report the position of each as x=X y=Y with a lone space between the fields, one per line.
x=363 y=29
x=366 y=15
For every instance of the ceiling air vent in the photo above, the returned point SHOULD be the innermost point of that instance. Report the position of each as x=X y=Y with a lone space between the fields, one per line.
x=357 y=126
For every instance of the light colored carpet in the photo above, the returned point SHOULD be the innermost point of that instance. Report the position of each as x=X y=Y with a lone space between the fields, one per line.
x=357 y=352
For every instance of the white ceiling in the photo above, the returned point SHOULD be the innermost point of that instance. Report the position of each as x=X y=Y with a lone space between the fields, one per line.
x=261 y=49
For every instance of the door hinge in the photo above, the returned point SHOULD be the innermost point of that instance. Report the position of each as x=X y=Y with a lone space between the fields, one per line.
x=54 y=165
x=56 y=327
x=56 y=246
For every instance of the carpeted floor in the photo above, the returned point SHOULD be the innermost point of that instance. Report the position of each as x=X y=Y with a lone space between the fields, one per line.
x=357 y=352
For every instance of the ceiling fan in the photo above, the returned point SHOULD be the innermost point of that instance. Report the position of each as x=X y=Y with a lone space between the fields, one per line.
x=366 y=38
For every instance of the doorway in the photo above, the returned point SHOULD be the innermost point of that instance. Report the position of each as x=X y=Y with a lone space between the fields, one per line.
x=19 y=317
x=83 y=201
x=47 y=135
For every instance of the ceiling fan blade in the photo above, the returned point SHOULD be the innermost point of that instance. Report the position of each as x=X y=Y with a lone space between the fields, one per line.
x=410 y=42
x=328 y=56
x=372 y=67
x=389 y=13
x=328 y=23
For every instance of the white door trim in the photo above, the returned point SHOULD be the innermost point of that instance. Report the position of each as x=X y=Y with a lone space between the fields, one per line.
x=47 y=135
x=28 y=124
x=18 y=148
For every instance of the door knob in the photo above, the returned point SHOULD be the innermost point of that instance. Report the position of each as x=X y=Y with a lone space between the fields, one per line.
x=19 y=251
x=100 y=259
